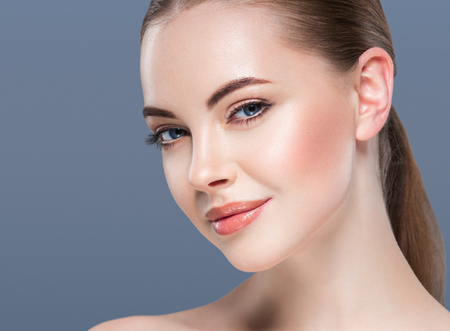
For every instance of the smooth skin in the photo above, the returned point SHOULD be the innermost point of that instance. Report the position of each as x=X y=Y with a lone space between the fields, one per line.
x=323 y=251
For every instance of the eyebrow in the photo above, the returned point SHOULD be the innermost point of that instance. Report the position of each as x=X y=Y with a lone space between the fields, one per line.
x=158 y=112
x=218 y=95
x=233 y=86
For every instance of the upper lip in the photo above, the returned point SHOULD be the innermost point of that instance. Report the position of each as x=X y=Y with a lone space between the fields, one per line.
x=233 y=208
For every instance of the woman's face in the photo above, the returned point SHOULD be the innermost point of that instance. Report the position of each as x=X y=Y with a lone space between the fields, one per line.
x=249 y=125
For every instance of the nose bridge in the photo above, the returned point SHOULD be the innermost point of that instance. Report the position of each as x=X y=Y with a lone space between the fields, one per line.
x=211 y=167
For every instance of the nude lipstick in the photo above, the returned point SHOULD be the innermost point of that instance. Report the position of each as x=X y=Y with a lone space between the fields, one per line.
x=234 y=216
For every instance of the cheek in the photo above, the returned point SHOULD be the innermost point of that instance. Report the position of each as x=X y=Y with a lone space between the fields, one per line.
x=308 y=155
x=320 y=148
x=306 y=164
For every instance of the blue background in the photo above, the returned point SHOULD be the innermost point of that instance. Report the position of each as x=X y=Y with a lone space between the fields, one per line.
x=88 y=228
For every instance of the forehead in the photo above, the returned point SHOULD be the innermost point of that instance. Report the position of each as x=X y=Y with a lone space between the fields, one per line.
x=207 y=46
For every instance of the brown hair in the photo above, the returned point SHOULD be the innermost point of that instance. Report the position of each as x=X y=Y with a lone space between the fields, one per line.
x=341 y=31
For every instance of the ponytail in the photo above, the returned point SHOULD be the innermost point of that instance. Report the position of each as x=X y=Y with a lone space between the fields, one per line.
x=412 y=219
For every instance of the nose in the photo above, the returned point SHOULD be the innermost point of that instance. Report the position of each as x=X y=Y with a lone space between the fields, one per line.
x=211 y=168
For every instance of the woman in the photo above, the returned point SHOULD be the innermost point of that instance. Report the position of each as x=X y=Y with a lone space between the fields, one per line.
x=280 y=144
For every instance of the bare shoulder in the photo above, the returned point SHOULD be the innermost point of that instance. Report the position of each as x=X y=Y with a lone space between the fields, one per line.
x=442 y=318
x=433 y=316
x=201 y=318
x=213 y=316
x=140 y=323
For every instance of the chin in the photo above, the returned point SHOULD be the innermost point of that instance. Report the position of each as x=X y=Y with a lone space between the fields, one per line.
x=251 y=265
x=254 y=259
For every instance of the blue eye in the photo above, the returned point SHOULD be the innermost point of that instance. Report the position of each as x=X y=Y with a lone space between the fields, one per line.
x=172 y=134
x=248 y=110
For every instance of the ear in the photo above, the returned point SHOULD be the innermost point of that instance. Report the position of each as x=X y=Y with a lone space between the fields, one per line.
x=375 y=81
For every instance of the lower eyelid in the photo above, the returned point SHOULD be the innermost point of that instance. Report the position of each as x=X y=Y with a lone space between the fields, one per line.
x=167 y=145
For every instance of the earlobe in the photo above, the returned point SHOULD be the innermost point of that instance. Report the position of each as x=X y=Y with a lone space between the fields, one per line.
x=375 y=84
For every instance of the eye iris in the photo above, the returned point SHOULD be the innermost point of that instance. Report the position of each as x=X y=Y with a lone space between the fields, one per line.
x=175 y=133
x=251 y=110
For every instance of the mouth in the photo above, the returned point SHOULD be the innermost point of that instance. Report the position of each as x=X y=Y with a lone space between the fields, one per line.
x=234 y=216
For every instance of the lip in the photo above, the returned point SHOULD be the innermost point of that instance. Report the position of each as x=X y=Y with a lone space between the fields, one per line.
x=234 y=216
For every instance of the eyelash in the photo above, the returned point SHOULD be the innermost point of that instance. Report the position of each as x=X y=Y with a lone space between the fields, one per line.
x=155 y=138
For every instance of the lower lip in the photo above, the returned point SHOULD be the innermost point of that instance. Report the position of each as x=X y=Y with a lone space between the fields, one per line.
x=234 y=223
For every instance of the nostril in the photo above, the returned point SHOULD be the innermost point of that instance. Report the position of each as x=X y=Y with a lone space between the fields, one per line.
x=218 y=182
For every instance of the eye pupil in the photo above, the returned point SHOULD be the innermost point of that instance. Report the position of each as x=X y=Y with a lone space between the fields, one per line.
x=252 y=109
